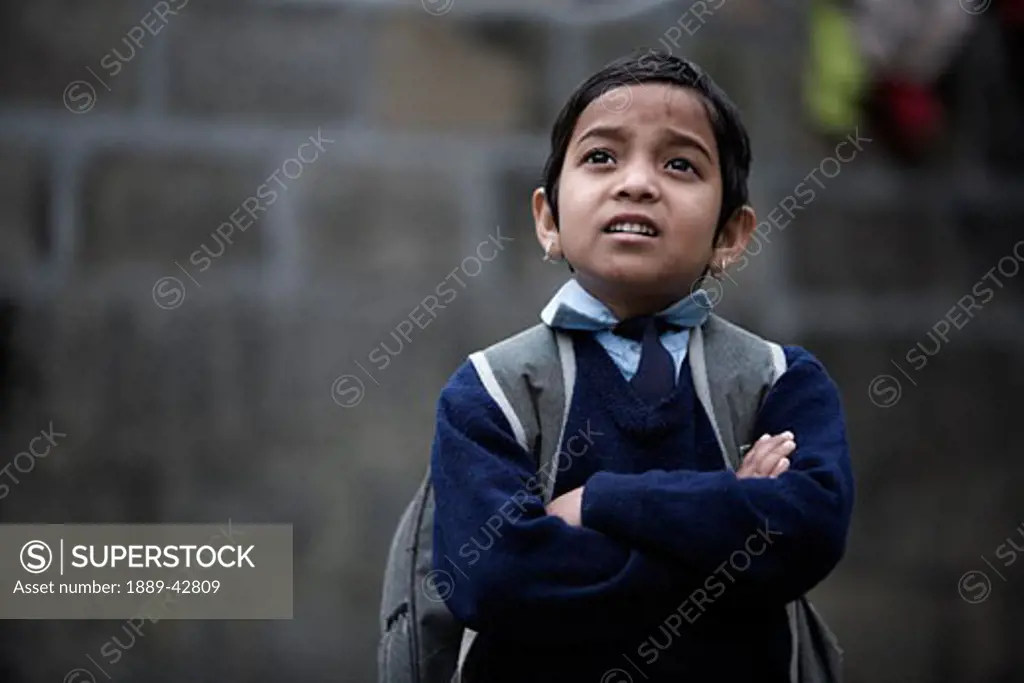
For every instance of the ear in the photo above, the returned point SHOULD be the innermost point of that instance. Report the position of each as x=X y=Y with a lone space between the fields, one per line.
x=733 y=239
x=544 y=223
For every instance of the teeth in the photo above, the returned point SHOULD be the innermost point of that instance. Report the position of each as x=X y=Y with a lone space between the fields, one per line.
x=635 y=228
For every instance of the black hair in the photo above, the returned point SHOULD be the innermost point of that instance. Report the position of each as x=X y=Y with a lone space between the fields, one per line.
x=660 y=67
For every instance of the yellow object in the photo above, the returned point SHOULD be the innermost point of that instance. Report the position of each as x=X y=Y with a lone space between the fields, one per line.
x=836 y=73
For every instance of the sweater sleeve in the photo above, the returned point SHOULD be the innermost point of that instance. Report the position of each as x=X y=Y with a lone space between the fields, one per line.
x=777 y=537
x=504 y=565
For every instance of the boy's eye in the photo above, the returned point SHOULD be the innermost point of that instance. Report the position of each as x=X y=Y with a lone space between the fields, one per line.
x=682 y=165
x=598 y=156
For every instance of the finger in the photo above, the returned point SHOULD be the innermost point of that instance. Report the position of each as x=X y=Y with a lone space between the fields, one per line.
x=746 y=465
x=767 y=462
x=765 y=445
x=781 y=467
x=754 y=454
x=756 y=450
x=770 y=461
x=745 y=472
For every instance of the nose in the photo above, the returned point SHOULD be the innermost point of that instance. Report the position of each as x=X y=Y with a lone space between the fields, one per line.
x=637 y=184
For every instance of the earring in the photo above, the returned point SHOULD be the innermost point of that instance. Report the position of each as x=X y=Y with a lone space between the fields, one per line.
x=547 y=252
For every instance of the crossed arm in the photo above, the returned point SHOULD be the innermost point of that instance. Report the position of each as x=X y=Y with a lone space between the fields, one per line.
x=768 y=457
x=624 y=545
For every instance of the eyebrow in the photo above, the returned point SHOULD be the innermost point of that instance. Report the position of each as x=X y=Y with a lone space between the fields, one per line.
x=674 y=137
x=681 y=139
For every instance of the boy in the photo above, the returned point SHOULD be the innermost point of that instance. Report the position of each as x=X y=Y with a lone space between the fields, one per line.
x=641 y=201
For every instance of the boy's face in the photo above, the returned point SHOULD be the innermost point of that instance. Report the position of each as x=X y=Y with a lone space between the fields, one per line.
x=639 y=197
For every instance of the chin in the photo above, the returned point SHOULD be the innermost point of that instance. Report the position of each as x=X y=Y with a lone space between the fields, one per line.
x=639 y=280
x=641 y=277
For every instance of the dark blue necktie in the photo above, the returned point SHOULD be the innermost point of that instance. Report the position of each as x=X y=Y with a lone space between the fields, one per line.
x=655 y=377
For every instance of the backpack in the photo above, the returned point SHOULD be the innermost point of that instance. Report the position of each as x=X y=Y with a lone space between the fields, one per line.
x=531 y=377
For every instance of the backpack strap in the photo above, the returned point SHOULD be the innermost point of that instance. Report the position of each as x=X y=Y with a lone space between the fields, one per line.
x=733 y=370
x=531 y=377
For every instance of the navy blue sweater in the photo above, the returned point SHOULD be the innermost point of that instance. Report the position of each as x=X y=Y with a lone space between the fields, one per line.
x=681 y=571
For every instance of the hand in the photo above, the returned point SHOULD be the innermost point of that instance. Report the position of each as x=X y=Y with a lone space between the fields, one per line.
x=769 y=457
x=568 y=507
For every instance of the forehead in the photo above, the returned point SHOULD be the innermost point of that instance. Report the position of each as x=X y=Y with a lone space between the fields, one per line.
x=649 y=107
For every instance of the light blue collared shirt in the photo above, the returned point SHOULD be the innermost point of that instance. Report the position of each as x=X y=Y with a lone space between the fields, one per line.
x=574 y=308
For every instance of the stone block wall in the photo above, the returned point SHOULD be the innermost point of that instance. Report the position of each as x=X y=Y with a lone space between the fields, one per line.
x=214 y=395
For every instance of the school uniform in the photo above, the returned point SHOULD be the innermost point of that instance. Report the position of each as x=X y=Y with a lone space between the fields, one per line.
x=680 y=571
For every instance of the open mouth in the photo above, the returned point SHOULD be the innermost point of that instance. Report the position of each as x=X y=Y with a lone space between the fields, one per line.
x=632 y=225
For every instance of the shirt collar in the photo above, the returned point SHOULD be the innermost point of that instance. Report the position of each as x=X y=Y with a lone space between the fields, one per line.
x=574 y=308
